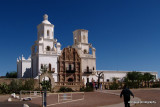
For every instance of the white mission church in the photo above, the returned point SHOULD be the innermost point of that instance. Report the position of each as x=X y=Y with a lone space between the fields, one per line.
x=47 y=51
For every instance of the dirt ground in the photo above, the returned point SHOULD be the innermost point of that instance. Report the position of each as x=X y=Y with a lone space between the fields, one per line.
x=148 y=95
x=91 y=99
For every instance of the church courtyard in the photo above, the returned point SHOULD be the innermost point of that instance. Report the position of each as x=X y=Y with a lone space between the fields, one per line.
x=104 y=98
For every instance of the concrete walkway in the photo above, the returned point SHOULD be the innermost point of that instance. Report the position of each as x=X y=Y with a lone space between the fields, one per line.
x=114 y=92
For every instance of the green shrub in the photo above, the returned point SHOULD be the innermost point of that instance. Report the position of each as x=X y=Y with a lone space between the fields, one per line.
x=29 y=84
x=65 y=89
x=4 y=88
x=82 y=89
x=156 y=85
x=87 y=89
x=113 y=86
x=69 y=90
x=15 y=86
x=46 y=85
x=12 y=74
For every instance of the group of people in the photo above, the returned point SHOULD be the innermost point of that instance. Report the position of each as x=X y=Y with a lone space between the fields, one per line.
x=95 y=85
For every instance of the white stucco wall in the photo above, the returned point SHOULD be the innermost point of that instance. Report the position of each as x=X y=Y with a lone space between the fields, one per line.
x=46 y=60
x=119 y=74
x=47 y=43
x=95 y=78
x=85 y=47
x=26 y=68
x=84 y=33
x=90 y=62
x=51 y=31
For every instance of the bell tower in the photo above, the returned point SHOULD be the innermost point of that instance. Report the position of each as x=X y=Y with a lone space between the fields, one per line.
x=45 y=50
x=80 y=36
x=86 y=52
x=45 y=29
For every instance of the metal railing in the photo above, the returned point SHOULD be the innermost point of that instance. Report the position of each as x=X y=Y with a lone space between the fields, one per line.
x=88 y=71
x=69 y=96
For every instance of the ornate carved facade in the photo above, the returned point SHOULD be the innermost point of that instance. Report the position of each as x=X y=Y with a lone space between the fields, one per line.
x=69 y=66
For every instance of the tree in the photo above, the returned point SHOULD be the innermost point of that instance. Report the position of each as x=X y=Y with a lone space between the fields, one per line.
x=99 y=75
x=133 y=79
x=29 y=84
x=4 y=88
x=147 y=77
x=114 y=79
x=114 y=85
x=46 y=85
x=12 y=74
x=139 y=78
x=15 y=86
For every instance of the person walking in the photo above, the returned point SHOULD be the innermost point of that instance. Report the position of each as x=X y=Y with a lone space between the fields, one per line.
x=126 y=95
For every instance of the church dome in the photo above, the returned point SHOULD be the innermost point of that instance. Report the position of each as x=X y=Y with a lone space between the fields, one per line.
x=45 y=19
x=58 y=44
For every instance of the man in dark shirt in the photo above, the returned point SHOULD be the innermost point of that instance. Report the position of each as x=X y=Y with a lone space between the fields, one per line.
x=126 y=95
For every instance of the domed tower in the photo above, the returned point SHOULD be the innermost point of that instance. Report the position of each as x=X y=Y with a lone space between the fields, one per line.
x=45 y=50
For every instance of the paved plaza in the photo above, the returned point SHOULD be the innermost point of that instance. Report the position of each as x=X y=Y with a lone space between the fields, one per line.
x=104 y=98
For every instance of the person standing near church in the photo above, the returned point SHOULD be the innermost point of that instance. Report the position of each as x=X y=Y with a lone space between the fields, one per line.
x=96 y=86
x=93 y=85
x=126 y=95
x=101 y=86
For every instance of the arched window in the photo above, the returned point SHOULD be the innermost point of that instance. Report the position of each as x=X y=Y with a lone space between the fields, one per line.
x=70 y=66
x=47 y=32
x=70 y=80
x=49 y=67
x=87 y=68
x=85 y=51
x=41 y=66
x=84 y=38
x=48 y=48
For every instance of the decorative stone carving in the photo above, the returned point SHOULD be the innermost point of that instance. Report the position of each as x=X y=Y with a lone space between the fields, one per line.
x=69 y=66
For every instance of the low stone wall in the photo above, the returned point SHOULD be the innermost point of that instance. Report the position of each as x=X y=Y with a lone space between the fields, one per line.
x=9 y=80
x=74 y=87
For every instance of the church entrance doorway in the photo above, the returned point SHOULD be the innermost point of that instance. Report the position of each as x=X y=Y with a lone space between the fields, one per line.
x=46 y=83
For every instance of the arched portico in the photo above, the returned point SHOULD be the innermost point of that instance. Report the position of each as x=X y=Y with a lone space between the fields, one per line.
x=51 y=79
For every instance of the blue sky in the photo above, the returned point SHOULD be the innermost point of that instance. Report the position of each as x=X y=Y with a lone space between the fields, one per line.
x=125 y=33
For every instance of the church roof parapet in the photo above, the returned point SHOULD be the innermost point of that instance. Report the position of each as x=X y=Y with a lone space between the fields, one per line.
x=23 y=58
